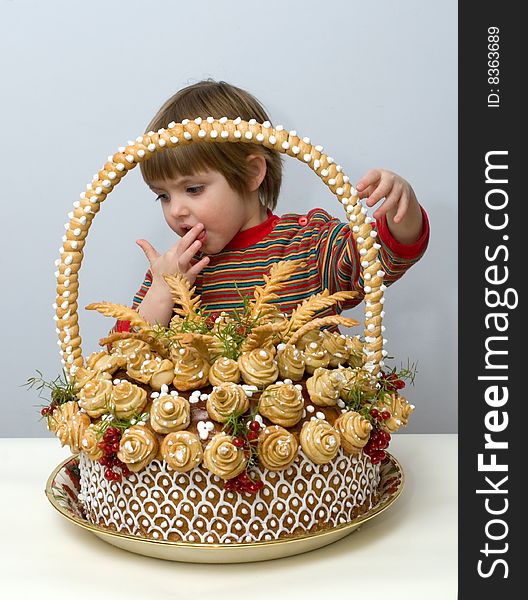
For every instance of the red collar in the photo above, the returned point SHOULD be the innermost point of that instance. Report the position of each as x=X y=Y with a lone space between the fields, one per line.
x=253 y=235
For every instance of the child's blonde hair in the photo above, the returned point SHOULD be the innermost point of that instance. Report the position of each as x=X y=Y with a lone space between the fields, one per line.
x=216 y=99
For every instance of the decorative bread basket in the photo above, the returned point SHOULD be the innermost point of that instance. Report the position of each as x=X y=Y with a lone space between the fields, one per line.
x=217 y=131
x=255 y=459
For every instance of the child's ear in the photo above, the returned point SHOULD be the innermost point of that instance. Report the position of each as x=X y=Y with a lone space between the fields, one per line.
x=257 y=168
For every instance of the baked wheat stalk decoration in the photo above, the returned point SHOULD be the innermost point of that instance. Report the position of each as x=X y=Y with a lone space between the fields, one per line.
x=122 y=313
x=185 y=304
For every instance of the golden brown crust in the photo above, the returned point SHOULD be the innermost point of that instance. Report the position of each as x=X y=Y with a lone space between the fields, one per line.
x=151 y=343
x=321 y=322
x=224 y=370
x=127 y=399
x=282 y=404
x=320 y=441
x=305 y=311
x=182 y=293
x=223 y=458
x=324 y=386
x=90 y=442
x=354 y=431
x=102 y=361
x=277 y=448
x=191 y=370
x=291 y=362
x=138 y=447
x=265 y=295
x=182 y=451
x=225 y=400
x=69 y=425
x=399 y=410
x=170 y=413
x=95 y=397
x=121 y=313
x=258 y=367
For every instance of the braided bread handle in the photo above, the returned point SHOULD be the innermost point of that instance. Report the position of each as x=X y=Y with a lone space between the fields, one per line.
x=218 y=131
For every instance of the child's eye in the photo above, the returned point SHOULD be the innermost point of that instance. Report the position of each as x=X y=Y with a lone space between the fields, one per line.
x=195 y=189
x=162 y=197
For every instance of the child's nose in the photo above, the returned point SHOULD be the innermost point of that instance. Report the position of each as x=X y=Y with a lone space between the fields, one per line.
x=178 y=209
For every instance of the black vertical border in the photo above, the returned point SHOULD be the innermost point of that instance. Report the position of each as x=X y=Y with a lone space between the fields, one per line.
x=483 y=129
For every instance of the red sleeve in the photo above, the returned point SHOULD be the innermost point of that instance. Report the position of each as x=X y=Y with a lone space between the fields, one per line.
x=408 y=251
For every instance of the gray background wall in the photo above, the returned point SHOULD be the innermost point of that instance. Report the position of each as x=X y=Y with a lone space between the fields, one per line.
x=375 y=83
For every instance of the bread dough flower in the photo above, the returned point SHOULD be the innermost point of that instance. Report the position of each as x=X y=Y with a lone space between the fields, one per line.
x=128 y=346
x=223 y=458
x=69 y=424
x=182 y=451
x=354 y=431
x=337 y=347
x=161 y=372
x=191 y=370
x=170 y=413
x=312 y=336
x=324 y=386
x=82 y=376
x=290 y=360
x=315 y=356
x=355 y=351
x=90 y=442
x=127 y=399
x=226 y=399
x=258 y=367
x=224 y=370
x=134 y=366
x=282 y=404
x=95 y=397
x=277 y=448
x=138 y=447
x=399 y=410
x=320 y=441
x=102 y=361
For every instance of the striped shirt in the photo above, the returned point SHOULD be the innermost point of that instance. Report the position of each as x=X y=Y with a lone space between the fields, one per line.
x=325 y=244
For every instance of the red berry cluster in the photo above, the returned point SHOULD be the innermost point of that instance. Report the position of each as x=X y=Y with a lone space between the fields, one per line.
x=250 y=437
x=110 y=447
x=244 y=482
x=376 y=445
x=211 y=319
x=392 y=382
x=379 y=416
x=241 y=329
x=48 y=410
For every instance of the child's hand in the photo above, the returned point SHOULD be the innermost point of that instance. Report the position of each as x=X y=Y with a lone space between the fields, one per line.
x=404 y=215
x=177 y=259
x=380 y=183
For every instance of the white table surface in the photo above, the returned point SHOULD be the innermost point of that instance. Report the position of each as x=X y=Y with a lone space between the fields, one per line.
x=408 y=552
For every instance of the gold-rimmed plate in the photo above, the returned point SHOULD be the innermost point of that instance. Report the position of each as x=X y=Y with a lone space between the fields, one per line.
x=63 y=486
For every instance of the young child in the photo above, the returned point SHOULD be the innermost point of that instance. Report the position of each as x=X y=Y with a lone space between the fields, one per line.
x=219 y=199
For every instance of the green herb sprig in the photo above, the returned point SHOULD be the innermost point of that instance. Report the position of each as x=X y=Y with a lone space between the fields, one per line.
x=237 y=426
x=60 y=389
x=371 y=392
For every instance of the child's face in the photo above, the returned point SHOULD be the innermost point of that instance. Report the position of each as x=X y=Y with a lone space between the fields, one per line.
x=208 y=199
